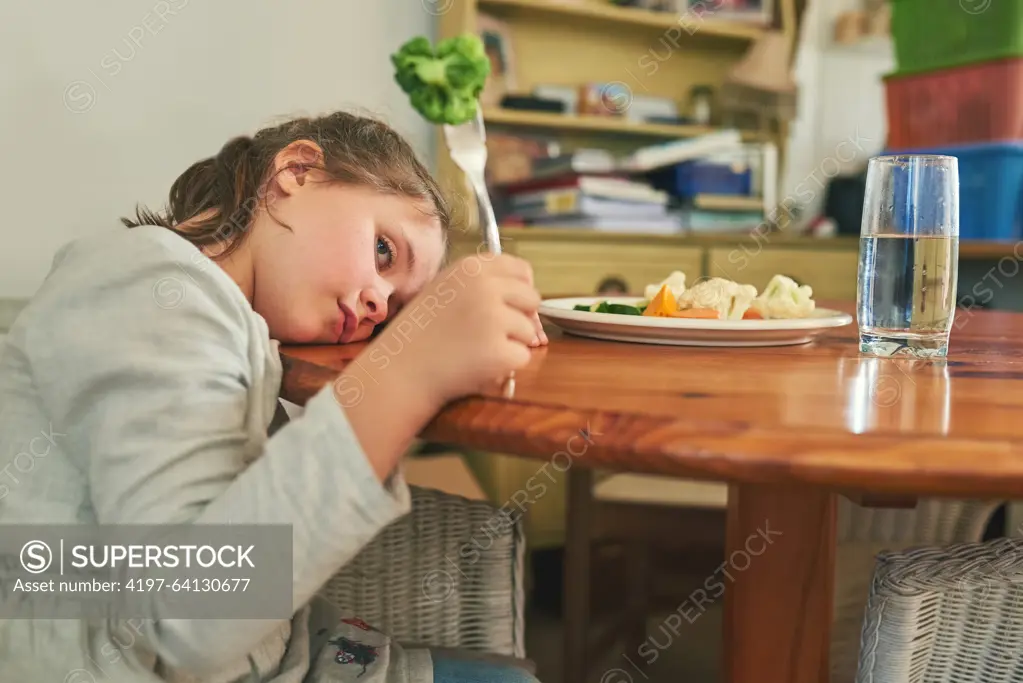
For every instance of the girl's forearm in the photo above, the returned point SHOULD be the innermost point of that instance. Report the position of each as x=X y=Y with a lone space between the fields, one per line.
x=387 y=408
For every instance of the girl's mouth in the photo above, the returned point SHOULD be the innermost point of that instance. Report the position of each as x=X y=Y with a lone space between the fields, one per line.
x=347 y=324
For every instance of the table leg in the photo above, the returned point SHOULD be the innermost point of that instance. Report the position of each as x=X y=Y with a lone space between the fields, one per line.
x=579 y=517
x=780 y=561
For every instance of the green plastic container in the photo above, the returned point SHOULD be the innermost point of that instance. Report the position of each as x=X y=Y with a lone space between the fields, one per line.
x=938 y=34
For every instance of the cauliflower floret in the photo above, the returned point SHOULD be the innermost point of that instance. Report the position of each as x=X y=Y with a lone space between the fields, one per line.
x=676 y=283
x=783 y=298
x=730 y=299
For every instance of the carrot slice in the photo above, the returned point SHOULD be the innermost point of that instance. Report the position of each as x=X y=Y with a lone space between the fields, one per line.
x=708 y=313
x=663 y=304
x=752 y=315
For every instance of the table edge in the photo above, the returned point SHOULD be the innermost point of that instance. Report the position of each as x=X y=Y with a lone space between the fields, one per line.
x=724 y=451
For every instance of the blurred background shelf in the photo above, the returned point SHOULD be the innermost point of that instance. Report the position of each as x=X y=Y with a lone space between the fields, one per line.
x=619 y=17
x=601 y=124
x=968 y=249
x=577 y=76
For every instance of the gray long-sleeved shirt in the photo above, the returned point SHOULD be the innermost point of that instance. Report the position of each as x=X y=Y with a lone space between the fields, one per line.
x=156 y=383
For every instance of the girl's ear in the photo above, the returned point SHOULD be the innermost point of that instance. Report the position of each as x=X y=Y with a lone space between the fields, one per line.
x=293 y=164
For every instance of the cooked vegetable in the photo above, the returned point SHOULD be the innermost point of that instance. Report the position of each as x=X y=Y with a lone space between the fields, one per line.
x=443 y=84
x=663 y=304
x=730 y=299
x=715 y=299
x=783 y=298
x=676 y=282
x=623 y=309
x=708 y=313
x=605 y=307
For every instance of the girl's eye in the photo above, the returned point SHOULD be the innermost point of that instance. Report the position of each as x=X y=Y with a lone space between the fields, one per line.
x=385 y=253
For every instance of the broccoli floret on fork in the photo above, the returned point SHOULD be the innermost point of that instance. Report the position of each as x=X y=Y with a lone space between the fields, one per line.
x=443 y=84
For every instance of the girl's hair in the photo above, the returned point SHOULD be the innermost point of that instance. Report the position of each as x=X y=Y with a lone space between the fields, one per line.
x=221 y=194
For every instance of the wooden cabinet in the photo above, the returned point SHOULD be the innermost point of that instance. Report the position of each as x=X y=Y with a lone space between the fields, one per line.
x=831 y=273
x=578 y=263
x=575 y=267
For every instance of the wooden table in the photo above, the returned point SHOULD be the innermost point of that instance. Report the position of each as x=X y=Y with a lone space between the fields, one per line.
x=789 y=428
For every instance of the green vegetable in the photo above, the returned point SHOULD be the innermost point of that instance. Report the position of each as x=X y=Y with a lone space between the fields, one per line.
x=605 y=307
x=443 y=85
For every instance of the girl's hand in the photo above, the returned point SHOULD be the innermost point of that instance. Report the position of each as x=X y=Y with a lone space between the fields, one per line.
x=470 y=327
x=541 y=336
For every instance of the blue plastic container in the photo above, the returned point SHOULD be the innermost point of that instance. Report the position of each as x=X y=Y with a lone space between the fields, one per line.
x=990 y=188
x=690 y=178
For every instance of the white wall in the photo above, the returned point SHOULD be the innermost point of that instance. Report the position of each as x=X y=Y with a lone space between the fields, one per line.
x=841 y=99
x=103 y=104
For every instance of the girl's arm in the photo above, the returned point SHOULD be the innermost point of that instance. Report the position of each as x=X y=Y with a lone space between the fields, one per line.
x=144 y=355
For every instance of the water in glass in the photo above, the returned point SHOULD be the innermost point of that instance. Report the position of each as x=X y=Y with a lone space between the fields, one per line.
x=907 y=293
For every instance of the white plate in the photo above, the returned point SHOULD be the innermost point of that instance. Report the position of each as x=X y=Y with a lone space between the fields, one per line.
x=685 y=331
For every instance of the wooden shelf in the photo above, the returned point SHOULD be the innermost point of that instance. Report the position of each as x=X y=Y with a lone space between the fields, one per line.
x=545 y=234
x=988 y=250
x=618 y=16
x=601 y=124
x=968 y=250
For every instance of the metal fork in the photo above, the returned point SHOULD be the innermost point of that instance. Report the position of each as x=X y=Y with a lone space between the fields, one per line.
x=467 y=145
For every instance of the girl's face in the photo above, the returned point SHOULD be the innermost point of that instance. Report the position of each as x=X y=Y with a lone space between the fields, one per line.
x=352 y=258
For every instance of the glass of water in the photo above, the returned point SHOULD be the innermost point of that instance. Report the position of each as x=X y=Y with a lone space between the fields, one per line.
x=909 y=256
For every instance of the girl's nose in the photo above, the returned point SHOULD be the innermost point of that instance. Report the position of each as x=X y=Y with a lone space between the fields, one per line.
x=375 y=306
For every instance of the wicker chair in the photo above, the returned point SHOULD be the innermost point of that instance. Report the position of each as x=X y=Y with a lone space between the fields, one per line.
x=863 y=533
x=945 y=614
x=447 y=575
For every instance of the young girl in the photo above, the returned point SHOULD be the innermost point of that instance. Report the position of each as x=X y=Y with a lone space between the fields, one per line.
x=149 y=356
